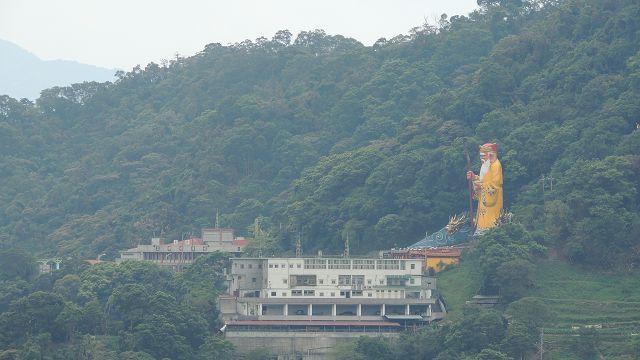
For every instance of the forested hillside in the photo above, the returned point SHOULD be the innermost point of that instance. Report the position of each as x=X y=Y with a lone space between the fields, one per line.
x=322 y=135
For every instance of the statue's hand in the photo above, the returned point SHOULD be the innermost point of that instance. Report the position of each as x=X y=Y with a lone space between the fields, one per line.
x=470 y=175
x=477 y=185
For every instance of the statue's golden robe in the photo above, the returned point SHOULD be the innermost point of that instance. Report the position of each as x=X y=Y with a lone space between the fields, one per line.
x=489 y=197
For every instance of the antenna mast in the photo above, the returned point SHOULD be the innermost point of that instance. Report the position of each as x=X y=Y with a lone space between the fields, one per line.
x=299 y=244
x=346 y=246
x=256 y=230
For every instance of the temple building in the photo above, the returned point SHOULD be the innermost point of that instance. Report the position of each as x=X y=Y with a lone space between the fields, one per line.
x=435 y=259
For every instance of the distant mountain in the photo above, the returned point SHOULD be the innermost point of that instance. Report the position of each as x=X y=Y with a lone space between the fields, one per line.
x=24 y=75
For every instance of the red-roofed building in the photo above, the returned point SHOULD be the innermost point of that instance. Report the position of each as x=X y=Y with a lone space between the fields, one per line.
x=178 y=253
x=435 y=259
x=92 y=261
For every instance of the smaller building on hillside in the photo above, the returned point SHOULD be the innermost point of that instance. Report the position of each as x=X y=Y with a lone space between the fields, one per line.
x=178 y=253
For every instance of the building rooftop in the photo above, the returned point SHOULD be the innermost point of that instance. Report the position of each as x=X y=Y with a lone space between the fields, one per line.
x=311 y=322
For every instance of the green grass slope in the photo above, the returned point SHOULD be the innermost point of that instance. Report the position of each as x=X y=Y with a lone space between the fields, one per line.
x=588 y=306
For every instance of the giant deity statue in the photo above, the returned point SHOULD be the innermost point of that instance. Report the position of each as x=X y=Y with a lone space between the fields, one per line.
x=487 y=188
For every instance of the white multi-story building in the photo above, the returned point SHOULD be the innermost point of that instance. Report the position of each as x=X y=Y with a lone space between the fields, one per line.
x=325 y=288
x=293 y=305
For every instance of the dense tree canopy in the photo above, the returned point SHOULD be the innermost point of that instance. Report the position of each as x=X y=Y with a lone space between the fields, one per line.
x=133 y=310
x=321 y=135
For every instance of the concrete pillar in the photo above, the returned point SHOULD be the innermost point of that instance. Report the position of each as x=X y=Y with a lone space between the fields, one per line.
x=333 y=309
x=406 y=310
x=429 y=310
x=382 y=312
x=359 y=310
x=310 y=310
x=286 y=309
x=259 y=311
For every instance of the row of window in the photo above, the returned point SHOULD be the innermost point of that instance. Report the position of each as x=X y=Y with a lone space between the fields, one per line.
x=250 y=266
x=357 y=264
x=312 y=293
x=342 y=280
x=271 y=266
x=333 y=294
x=310 y=280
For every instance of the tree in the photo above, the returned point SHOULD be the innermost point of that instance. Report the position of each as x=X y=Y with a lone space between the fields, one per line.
x=157 y=336
x=282 y=38
x=68 y=287
x=129 y=303
x=36 y=347
x=134 y=355
x=514 y=279
x=509 y=242
x=490 y=354
x=477 y=330
x=603 y=213
x=557 y=222
x=346 y=350
x=520 y=339
x=88 y=347
x=375 y=348
x=216 y=347
x=97 y=282
x=17 y=264
x=37 y=313
x=69 y=320
x=10 y=291
x=93 y=318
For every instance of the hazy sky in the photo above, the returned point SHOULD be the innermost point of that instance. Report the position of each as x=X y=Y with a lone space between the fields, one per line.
x=124 y=33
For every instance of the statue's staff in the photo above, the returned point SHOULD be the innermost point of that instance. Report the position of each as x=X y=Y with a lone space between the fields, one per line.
x=470 y=182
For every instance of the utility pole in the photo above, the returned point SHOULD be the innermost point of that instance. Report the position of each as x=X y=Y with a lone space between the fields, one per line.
x=258 y=236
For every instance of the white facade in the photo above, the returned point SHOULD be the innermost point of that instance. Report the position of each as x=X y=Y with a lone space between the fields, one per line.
x=325 y=288
x=344 y=278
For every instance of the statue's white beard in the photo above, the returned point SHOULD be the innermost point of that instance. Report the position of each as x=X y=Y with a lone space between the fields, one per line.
x=485 y=168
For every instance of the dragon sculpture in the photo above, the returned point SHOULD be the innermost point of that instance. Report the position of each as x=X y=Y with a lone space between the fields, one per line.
x=457 y=231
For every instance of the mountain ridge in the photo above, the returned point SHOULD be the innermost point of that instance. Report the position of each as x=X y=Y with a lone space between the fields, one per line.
x=24 y=75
